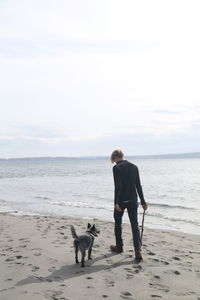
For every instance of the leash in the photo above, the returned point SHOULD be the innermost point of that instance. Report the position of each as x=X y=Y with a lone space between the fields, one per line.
x=142 y=225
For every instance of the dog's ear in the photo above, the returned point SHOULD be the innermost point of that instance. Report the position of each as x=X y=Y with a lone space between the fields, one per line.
x=88 y=225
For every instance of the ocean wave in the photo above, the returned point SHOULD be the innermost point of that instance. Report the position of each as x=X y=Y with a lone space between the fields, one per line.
x=105 y=206
x=110 y=208
x=81 y=204
x=164 y=205
x=174 y=219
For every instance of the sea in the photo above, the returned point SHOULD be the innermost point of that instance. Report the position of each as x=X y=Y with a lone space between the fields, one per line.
x=84 y=188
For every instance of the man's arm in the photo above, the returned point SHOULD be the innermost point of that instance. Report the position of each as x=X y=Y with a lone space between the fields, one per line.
x=117 y=182
x=140 y=191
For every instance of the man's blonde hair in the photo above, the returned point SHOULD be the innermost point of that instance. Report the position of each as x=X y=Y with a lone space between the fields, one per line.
x=116 y=154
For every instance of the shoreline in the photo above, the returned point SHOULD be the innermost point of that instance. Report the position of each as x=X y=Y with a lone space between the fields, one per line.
x=37 y=262
x=106 y=219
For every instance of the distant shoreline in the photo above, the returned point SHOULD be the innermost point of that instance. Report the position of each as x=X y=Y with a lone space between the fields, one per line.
x=152 y=156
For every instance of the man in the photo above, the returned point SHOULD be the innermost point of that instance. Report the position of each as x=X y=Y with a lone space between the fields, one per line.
x=127 y=186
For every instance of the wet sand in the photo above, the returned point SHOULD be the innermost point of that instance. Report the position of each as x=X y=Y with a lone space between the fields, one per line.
x=37 y=262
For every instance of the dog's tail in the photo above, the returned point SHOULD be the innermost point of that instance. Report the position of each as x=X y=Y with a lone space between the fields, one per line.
x=74 y=235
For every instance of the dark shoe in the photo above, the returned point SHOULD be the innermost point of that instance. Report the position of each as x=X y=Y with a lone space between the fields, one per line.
x=138 y=255
x=116 y=249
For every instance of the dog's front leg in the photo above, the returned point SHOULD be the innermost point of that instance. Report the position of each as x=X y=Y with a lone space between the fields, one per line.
x=76 y=256
x=90 y=250
x=89 y=253
x=83 y=258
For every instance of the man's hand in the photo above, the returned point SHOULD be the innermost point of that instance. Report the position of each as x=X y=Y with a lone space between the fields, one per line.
x=118 y=208
x=144 y=206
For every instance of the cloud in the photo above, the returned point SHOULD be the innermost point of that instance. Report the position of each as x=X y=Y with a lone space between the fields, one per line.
x=94 y=71
x=27 y=48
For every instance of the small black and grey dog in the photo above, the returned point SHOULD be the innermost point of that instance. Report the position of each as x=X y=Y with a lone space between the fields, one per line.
x=84 y=242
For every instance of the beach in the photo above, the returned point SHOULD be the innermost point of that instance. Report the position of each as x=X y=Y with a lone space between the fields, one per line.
x=37 y=262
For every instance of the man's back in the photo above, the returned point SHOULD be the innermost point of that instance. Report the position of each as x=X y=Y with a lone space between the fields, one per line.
x=127 y=182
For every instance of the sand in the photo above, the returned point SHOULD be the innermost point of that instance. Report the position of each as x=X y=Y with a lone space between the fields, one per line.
x=37 y=262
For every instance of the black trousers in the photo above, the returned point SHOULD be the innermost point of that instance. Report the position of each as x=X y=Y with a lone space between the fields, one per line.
x=132 y=208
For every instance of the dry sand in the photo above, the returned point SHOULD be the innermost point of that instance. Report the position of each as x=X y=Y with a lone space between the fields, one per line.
x=37 y=262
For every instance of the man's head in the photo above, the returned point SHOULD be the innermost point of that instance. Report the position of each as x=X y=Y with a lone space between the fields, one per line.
x=116 y=156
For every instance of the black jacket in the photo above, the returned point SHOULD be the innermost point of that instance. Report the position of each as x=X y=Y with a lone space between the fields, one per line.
x=127 y=182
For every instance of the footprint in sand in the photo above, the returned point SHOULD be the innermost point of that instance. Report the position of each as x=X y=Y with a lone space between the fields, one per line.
x=151 y=253
x=8 y=279
x=9 y=259
x=176 y=258
x=110 y=283
x=54 y=260
x=159 y=287
x=129 y=276
x=172 y=272
x=24 y=240
x=37 y=254
x=165 y=262
x=130 y=273
x=22 y=246
x=177 y=273
x=37 y=249
x=8 y=249
x=156 y=296
x=35 y=268
x=160 y=261
x=127 y=295
x=55 y=295
x=137 y=268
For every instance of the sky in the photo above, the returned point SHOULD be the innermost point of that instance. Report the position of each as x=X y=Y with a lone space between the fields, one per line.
x=85 y=77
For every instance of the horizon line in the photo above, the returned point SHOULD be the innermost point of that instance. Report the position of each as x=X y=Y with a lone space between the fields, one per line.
x=104 y=156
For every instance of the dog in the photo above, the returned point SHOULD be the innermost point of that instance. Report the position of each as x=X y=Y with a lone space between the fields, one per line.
x=84 y=242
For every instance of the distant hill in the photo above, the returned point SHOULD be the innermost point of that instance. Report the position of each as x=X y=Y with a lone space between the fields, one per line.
x=167 y=156
x=156 y=156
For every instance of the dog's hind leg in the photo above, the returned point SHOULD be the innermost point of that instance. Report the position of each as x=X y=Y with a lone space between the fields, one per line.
x=83 y=258
x=76 y=251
